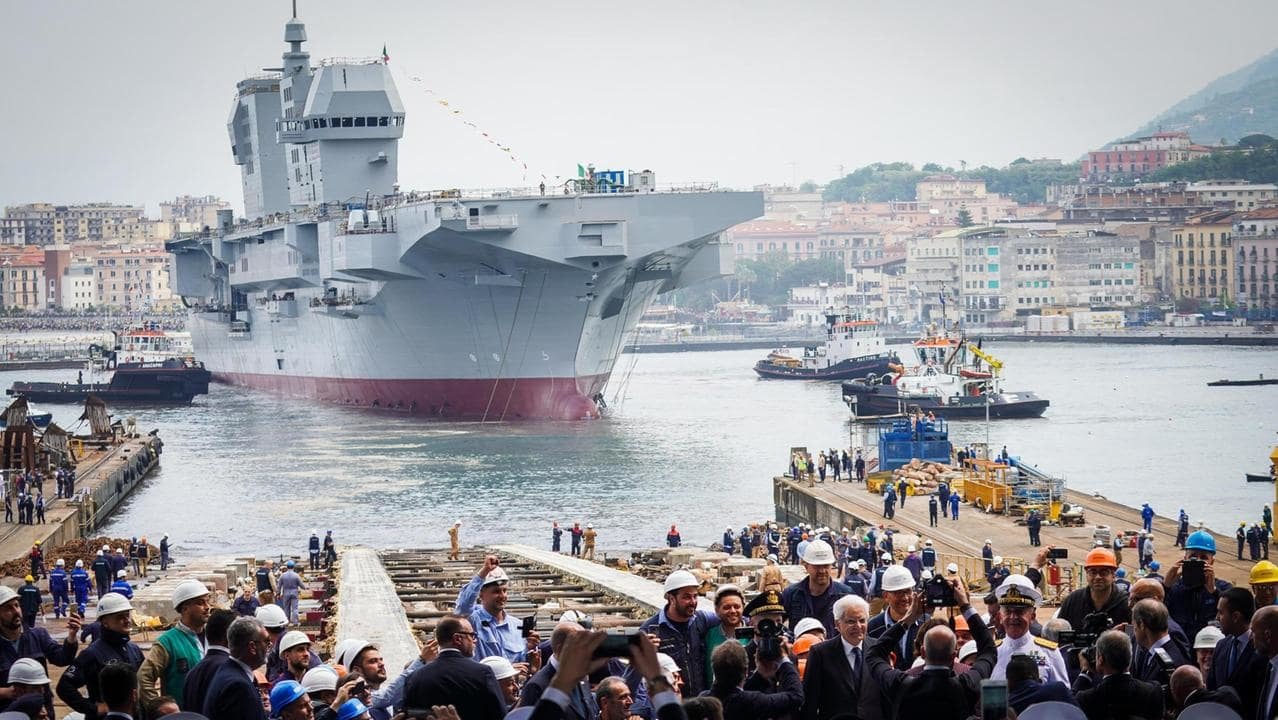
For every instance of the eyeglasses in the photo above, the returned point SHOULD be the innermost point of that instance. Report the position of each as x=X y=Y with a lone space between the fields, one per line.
x=471 y=635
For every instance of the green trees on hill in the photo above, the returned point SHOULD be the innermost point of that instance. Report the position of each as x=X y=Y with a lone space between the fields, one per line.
x=771 y=276
x=1023 y=180
x=1256 y=160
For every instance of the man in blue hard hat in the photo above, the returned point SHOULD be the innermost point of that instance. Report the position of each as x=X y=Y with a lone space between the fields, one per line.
x=1193 y=603
x=289 y=701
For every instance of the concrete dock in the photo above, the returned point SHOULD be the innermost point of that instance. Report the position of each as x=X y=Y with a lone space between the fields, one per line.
x=845 y=504
x=106 y=474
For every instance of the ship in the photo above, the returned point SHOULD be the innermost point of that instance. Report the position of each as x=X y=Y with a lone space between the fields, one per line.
x=854 y=348
x=175 y=381
x=494 y=305
x=950 y=382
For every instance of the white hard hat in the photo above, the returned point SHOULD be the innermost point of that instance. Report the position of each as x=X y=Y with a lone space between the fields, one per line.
x=928 y=543
x=588 y=525
x=112 y=603
x=79 y=563
x=500 y=666
x=188 y=589
x=807 y=624
x=60 y=562
x=6 y=594
x=668 y=666
x=680 y=579
x=121 y=573
x=27 y=672
x=574 y=616
x=348 y=650
x=319 y=678
x=911 y=549
x=968 y=649
x=860 y=563
x=997 y=560
x=818 y=552
x=315 y=532
x=271 y=616
x=495 y=576
x=106 y=548
x=459 y=523
x=988 y=541
x=292 y=639
x=886 y=556
x=1018 y=590
x=951 y=568
x=1206 y=638
x=897 y=577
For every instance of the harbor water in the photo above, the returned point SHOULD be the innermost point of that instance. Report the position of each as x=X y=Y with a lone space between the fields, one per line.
x=693 y=439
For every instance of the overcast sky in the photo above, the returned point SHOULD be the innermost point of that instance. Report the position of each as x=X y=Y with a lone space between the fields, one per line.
x=127 y=101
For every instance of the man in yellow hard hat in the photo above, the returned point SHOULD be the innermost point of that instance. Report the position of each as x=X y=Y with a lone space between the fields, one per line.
x=1264 y=583
x=30 y=599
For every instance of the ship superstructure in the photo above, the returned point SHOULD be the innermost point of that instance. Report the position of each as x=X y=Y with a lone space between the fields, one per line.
x=501 y=305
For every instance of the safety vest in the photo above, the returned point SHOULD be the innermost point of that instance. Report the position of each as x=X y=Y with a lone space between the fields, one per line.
x=184 y=653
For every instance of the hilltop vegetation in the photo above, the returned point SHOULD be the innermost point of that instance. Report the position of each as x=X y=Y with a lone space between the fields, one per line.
x=1023 y=181
x=1255 y=160
x=1230 y=107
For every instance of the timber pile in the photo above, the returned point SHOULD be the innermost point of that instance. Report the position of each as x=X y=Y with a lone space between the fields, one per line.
x=924 y=477
x=84 y=549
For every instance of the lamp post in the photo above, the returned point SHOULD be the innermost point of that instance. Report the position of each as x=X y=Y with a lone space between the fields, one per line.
x=987 y=417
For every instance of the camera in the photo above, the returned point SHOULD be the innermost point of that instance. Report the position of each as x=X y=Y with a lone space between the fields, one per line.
x=1093 y=626
x=939 y=593
x=768 y=636
x=1193 y=573
x=1057 y=553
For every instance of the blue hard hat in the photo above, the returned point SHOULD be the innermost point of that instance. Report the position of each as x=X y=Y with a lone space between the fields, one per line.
x=1153 y=565
x=1201 y=540
x=289 y=563
x=1120 y=572
x=285 y=693
x=351 y=709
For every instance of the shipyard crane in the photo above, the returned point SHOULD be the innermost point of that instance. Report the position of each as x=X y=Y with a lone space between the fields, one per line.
x=995 y=364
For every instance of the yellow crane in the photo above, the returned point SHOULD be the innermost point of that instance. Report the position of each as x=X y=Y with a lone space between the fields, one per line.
x=995 y=364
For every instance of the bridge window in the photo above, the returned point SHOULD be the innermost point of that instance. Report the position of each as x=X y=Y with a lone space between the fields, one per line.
x=359 y=122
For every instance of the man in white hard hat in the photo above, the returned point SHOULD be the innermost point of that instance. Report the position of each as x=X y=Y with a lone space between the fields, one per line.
x=179 y=648
x=1017 y=600
x=320 y=683
x=814 y=597
x=454 y=541
x=858 y=579
x=27 y=677
x=102 y=571
x=275 y=621
x=681 y=629
x=507 y=678
x=295 y=653
x=34 y=643
x=898 y=595
x=588 y=537
x=498 y=632
x=112 y=646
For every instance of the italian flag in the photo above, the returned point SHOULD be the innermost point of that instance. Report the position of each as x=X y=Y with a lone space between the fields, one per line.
x=385 y=57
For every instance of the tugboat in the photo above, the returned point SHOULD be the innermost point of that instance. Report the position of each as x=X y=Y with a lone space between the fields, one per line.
x=946 y=385
x=853 y=348
x=175 y=381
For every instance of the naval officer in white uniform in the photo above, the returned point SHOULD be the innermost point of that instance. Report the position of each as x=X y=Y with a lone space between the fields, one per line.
x=1017 y=600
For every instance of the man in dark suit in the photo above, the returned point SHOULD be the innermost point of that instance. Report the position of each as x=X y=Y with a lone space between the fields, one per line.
x=119 y=691
x=1234 y=652
x=583 y=705
x=1118 y=694
x=937 y=694
x=196 y=687
x=1025 y=689
x=455 y=678
x=1262 y=676
x=1156 y=655
x=575 y=660
x=1187 y=688
x=233 y=693
x=898 y=593
x=835 y=681
x=729 y=663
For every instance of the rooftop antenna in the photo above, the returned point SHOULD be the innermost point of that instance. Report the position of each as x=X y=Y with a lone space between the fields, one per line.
x=294 y=8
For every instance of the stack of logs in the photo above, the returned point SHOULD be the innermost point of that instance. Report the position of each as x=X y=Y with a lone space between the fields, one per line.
x=923 y=477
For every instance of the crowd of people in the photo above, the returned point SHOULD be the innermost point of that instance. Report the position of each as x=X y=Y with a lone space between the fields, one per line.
x=88 y=321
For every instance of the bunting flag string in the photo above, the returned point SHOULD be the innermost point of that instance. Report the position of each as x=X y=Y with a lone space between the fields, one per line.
x=457 y=112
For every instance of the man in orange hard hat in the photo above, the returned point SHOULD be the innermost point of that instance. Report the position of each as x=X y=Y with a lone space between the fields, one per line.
x=1100 y=595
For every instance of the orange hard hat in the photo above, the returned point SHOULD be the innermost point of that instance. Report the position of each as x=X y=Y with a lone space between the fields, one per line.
x=960 y=623
x=1100 y=557
x=804 y=644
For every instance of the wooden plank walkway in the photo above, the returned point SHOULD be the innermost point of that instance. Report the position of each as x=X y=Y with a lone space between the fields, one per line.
x=637 y=589
x=836 y=502
x=369 y=609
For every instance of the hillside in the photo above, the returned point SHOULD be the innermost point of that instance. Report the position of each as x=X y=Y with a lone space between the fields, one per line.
x=1230 y=107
